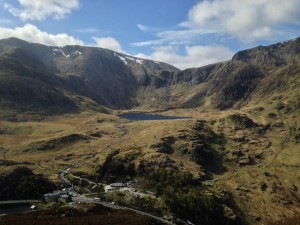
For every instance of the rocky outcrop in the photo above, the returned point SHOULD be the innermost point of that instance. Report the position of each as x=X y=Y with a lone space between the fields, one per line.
x=242 y=121
x=165 y=145
x=22 y=183
x=55 y=143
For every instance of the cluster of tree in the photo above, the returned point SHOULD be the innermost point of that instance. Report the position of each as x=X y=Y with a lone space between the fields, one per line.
x=146 y=204
x=188 y=199
x=22 y=183
x=116 y=166
x=162 y=178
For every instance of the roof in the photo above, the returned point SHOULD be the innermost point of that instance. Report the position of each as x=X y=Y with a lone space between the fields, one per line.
x=117 y=185
x=49 y=195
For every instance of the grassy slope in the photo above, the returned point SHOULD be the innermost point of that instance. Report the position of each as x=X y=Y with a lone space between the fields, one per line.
x=280 y=160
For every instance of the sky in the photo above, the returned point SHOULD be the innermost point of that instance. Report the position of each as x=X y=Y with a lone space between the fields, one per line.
x=184 y=33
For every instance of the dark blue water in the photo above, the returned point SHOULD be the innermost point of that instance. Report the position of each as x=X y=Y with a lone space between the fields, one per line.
x=146 y=116
x=14 y=209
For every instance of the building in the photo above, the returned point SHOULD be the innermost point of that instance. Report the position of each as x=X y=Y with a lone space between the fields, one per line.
x=131 y=183
x=50 y=197
x=55 y=195
x=117 y=185
x=64 y=194
x=114 y=187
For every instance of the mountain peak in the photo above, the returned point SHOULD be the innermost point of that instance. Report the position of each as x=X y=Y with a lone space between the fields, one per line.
x=275 y=54
x=13 y=41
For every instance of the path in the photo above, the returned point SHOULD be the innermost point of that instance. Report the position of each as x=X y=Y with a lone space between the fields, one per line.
x=121 y=138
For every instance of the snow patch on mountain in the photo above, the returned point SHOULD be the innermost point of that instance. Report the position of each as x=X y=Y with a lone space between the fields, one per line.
x=62 y=52
x=123 y=59
x=59 y=50
x=140 y=61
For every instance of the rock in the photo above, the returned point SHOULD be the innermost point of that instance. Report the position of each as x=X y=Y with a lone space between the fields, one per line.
x=228 y=213
x=242 y=121
x=241 y=139
x=263 y=186
x=96 y=134
x=246 y=161
x=165 y=145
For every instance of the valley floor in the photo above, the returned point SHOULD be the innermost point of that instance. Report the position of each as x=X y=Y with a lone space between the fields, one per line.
x=232 y=153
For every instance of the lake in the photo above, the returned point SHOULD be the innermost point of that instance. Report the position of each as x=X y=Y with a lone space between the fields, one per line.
x=147 y=116
x=14 y=209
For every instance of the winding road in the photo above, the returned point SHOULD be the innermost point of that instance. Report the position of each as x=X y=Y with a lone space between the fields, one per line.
x=84 y=199
x=121 y=138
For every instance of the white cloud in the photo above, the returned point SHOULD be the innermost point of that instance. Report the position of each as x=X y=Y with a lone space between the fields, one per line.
x=88 y=30
x=149 y=43
x=148 y=29
x=40 y=9
x=143 y=27
x=194 y=56
x=248 y=20
x=31 y=33
x=108 y=42
x=184 y=34
x=173 y=37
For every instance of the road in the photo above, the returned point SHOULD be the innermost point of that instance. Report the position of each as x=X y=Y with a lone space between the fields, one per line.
x=15 y=202
x=84 y=199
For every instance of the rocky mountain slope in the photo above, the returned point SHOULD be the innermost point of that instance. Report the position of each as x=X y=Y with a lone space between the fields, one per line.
x=251 y=76
x=60 y=79
x=55 y=79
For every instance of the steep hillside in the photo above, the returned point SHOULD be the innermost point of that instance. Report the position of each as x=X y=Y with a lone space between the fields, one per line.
x=104 y=77
x=53 y=76
x=251 y=76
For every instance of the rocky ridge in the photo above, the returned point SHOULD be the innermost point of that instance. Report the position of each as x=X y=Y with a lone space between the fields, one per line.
x=70 y=78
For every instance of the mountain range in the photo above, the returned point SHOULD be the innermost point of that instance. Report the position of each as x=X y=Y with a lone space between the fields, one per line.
x=51 y=80
x=231 y=159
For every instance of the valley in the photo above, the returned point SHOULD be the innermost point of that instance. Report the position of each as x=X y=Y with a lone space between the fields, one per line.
x=254 y=168
x=221 y=147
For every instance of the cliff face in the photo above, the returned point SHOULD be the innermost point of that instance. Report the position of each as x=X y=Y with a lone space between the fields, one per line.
x=251 y=76
x=49 y=77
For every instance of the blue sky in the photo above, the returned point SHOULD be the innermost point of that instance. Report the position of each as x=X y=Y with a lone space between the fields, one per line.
x=184 y=33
